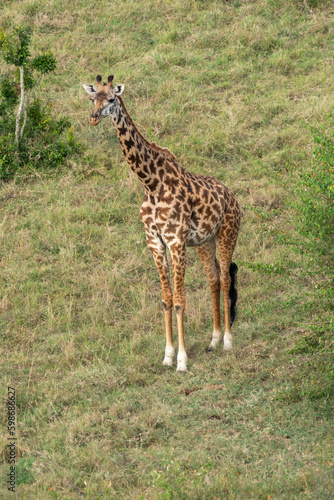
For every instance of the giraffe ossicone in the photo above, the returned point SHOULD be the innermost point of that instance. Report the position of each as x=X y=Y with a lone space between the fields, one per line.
x=179 y=209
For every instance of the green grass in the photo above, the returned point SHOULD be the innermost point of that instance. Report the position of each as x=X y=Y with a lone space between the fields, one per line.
x=230 y=88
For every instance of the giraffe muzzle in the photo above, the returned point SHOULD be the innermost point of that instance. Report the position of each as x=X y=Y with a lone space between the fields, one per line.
x=95 y=118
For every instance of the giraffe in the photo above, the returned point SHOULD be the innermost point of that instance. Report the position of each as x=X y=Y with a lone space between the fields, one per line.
x=180 y=209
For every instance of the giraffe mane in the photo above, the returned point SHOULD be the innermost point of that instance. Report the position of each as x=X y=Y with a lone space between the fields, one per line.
x=165 y=151
x=153 y=145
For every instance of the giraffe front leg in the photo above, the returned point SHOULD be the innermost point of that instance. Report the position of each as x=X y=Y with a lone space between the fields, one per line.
x=182 y=357
x=158 y=251
x=178 y=253
x=169 y=350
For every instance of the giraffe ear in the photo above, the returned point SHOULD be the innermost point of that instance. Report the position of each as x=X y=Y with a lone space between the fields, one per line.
x=119 y=89
x=90 y=89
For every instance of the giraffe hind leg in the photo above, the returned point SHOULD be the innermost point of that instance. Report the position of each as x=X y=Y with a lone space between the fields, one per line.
x=228 y=281
x=207 y=255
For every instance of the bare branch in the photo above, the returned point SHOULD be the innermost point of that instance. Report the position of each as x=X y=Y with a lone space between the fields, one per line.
x=21 y=107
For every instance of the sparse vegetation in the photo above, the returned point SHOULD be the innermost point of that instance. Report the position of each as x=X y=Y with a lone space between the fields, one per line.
x=240 y=90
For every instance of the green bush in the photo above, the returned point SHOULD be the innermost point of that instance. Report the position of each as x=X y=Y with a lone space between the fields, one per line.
x=312 y=226
x=309 y=232
x=47 y=143
x=313 y=186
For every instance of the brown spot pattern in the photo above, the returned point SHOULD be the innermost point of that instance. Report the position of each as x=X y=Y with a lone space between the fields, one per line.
x=180 y=209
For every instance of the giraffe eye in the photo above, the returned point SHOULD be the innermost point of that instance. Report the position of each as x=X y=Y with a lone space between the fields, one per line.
x=111 y=100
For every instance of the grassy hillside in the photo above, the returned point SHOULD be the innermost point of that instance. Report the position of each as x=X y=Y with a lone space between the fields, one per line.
x=232 y=88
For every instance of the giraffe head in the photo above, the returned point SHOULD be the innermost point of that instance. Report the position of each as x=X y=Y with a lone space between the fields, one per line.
x=104 y=96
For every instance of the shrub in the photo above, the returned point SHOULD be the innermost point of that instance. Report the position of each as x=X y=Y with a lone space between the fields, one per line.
x=309 y=232
x=313 y=203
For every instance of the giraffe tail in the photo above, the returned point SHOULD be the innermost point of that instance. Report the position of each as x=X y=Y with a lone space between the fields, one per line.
x=233 y=294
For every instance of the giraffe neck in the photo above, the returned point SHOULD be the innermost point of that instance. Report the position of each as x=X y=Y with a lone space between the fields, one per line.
x=145 y=159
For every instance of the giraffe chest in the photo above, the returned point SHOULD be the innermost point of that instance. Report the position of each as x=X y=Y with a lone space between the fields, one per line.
x=178 y=221
x=169 y=221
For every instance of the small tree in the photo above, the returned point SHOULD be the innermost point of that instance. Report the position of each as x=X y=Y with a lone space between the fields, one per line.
x=15 y=48
x=30 y=137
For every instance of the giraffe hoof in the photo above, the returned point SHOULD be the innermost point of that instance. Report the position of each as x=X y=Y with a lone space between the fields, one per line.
x=168 y=361
x=228 y=347
x=182 y=368
x=169 y=354
x=228 y=342
x=209 y=349
x=182 y=362
x=216 y=338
